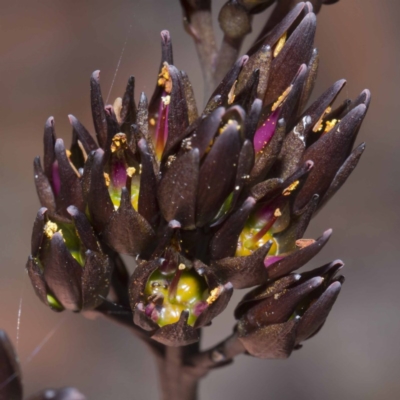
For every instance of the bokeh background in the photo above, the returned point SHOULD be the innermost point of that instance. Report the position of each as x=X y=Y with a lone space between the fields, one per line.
x=48 y=50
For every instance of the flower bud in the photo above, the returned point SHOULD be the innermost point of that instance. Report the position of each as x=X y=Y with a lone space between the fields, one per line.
x=67 y=267
x=277 y=317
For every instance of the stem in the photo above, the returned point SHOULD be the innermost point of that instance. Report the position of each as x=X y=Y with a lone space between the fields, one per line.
x=219 y=355
x=198 y=23
x=176 y=381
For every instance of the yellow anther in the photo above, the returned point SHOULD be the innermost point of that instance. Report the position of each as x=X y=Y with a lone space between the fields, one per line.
x=50 y=229
x=277 y=213
x=152 y=121
x=330 y=124
x=281 y=98
x=231 y=122
x=164 y=78
x=119 y=142
x=292 y=187
x=231 y=94
x=107 y=179
x=214 y=294
x=117 y=106
x=181 y=267
x=280 y=44
x=318 y=125
x=130 y=171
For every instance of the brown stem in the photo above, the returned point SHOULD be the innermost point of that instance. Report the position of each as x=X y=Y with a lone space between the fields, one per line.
x=198 y=22
x=219 y=355
x=176 y=380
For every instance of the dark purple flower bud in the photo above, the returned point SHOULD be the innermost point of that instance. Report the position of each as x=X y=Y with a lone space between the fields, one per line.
x=276 y=317
x=67 y=266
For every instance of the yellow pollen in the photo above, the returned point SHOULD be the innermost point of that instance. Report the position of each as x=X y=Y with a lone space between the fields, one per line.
x=117 y=106
x=229 y=123
x=292 y=187
x=50 y=229
x=181 y=267
x=166 y=100
x=330 y=124
x=107 y=179
x=131 y=171
x=301 y=243
x=318 y=125
x=119 y=142
x=214 y=294
x=164 y=78
x=281 y=98
x=170 y=160
x=231 y=95
x=152 y=121
x=277 y=213
x=280 y=44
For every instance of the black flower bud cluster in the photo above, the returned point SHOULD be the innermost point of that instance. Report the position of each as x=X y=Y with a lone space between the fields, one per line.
x=206 y=203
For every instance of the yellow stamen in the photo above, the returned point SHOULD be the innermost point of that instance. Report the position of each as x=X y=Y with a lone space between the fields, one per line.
x=50 y=229
x=214 y=294
x=131 y=171
x=119 y=142
x=181 y=267
x=292 y=187
x=117 y=106
x=152 y=121
x=280 y=44
x=164 y=78
x=231 y=95
x=330 y=124
x=318 y=125
x=281 y=98
x=107 y=179
x=277 y=213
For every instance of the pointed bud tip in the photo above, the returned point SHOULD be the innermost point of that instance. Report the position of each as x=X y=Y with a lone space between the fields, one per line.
x=96 y=75
x=165 y=36
x=50 y=122
x=59 y=146
x=72 y=211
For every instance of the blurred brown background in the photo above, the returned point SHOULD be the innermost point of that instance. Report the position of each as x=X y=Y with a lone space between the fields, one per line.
x=48 y=50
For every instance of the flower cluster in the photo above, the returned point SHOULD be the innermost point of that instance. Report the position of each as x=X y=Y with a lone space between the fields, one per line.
x=206 y=203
